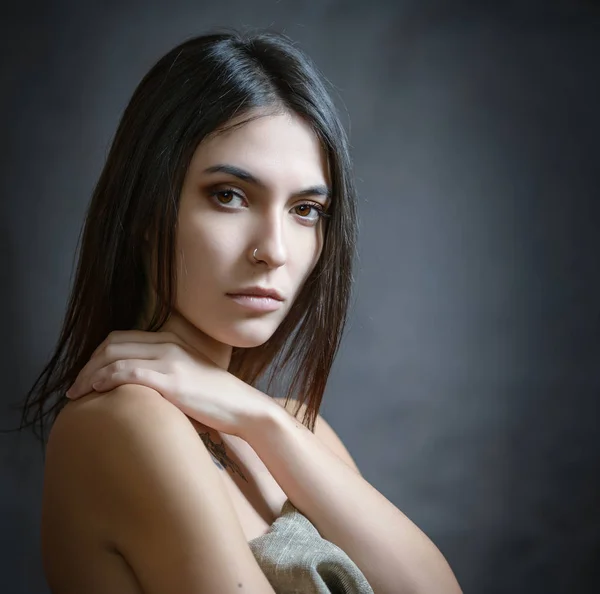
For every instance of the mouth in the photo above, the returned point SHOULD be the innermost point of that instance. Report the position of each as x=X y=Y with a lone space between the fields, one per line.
x=256 y=302
x=258 y=291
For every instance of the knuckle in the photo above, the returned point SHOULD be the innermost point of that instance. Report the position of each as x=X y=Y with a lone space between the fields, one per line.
x=137 y=373
x=119 y=366
x=172 y=349
x=114 y=335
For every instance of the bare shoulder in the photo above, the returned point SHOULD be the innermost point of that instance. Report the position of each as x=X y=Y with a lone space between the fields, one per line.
x=128 y=469
x=121 y=405
x=131 y=418
x=130 y=436
x=112 y=432
x=324 y=431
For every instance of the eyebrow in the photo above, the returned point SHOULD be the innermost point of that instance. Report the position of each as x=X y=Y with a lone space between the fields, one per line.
x=318 y=190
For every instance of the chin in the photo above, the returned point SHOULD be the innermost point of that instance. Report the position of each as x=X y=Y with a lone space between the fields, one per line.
x=247 y=343
x=247 y=340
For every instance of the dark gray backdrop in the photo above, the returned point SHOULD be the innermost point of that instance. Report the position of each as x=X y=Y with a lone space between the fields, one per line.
x=467 y=385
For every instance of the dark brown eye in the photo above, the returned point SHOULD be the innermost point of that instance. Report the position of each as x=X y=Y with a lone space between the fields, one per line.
x=225 y=197
x=305 y=208
x=225 y=194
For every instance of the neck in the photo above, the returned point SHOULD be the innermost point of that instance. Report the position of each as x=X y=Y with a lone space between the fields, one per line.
x=216 y=351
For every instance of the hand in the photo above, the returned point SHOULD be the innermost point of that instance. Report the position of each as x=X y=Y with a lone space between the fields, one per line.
x=185 y=377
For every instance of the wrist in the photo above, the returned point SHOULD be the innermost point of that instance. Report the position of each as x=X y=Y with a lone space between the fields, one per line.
x=266 y=418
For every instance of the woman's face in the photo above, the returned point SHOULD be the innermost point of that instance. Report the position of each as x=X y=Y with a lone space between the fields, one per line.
x=250 y=187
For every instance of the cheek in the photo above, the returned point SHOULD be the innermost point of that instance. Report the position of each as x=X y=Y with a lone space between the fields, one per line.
x=204 y=259
x=317 y=250
x=192 y=260
x=208 y=234
x=199 y=240
x=308 y=260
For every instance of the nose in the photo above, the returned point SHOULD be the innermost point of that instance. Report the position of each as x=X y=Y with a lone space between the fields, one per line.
x=270 y=241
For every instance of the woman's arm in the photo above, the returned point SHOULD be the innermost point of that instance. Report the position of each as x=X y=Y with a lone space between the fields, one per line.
x=135 y=461
x=395 y=556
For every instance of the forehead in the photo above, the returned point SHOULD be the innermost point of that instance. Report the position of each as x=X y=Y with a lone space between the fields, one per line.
x=274 y=147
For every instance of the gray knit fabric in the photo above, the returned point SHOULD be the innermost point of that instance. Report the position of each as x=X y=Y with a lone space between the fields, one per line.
x=297 y=560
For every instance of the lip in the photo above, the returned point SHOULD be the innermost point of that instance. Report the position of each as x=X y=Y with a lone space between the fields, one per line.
x=260 y=292
x=256 y=302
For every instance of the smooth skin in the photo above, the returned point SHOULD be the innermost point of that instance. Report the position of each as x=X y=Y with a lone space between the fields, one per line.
x=132 y=500
x=222 y=220
x=141 y=493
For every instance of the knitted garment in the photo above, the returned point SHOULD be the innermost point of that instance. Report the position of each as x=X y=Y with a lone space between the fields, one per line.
x=297 y=560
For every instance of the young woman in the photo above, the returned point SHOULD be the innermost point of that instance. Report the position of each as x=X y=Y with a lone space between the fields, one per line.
x=218 y=244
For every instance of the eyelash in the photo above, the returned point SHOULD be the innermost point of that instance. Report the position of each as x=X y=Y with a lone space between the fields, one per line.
x=315 y=205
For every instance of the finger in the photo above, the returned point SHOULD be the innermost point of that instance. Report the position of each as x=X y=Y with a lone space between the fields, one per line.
x=143 y=376
x=119 y=336
x=141 y=336
x=123 y=369
x=112 y=354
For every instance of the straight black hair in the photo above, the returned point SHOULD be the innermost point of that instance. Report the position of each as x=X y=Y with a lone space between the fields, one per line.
x=194 y=91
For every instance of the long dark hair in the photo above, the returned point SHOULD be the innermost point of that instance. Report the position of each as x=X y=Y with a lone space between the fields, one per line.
x=191 y=92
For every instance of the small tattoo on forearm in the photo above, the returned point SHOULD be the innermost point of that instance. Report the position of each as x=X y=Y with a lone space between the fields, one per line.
x=219 y=455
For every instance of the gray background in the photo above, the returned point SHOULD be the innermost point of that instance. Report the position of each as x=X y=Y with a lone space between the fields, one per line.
x=467 y=385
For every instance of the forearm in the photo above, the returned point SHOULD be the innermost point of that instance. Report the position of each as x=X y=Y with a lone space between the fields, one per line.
x=393 y=554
